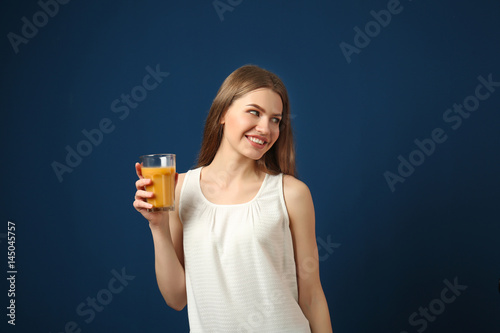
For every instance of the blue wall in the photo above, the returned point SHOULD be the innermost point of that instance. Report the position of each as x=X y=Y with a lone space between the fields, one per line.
x=408 y=235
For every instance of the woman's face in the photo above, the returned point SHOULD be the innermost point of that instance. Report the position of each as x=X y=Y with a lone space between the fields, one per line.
x=251 y=123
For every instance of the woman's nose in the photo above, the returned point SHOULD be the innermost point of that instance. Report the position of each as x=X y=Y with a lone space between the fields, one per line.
x=263 y=126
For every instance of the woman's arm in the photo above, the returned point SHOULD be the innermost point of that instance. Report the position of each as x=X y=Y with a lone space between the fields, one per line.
x=166 y=229
x=302 y=225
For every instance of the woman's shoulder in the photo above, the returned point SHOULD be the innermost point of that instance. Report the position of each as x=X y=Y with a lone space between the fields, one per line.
x=294 y=189
x=182 y=176
x=298 y=199
x=180 y=182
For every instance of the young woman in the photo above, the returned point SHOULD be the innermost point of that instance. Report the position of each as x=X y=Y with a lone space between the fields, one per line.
x=240 y=248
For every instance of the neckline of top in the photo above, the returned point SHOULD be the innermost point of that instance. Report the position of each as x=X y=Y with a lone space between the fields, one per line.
x=198 y=179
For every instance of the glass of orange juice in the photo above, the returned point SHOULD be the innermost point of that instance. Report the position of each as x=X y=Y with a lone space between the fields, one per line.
x=160 y=168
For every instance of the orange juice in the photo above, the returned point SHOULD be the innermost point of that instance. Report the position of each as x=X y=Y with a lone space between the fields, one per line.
x=163 y=186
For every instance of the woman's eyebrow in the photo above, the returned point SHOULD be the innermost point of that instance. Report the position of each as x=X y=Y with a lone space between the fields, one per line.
x=262 y=109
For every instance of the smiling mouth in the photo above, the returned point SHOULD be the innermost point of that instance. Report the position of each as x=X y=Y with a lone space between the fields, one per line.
x=256 y=140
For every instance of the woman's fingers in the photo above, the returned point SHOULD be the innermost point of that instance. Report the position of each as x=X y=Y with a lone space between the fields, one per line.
x=138 y=170
x=141 y=194
x=141 y=205
x=141 y=183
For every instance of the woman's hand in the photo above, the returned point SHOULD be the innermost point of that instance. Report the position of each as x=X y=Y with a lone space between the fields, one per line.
x=167 y=238
x=140 y=203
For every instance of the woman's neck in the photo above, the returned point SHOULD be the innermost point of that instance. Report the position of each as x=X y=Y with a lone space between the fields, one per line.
x=231 y=167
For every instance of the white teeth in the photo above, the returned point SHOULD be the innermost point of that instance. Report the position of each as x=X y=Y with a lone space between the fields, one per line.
x=260 y=142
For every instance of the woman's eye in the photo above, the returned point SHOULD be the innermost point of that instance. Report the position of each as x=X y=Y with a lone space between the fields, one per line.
x=256 y=113
x=276 y=120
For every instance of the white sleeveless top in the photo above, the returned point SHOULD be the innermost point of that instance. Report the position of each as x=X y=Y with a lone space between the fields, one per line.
x=239 y=262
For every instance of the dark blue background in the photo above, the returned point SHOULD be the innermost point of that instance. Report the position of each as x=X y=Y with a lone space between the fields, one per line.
x=393 y=250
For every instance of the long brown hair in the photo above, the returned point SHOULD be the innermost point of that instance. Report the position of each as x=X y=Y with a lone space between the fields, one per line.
x=281 y=157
